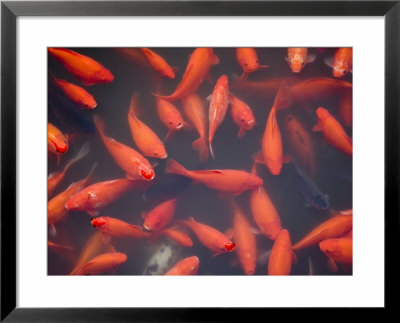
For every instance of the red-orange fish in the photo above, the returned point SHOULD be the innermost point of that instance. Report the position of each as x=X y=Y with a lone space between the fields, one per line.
x=56 y=209
x=280 y=260
x=196 y=114
x=98 y=195
x=158 y=63
x=300 y=144
x=225 y=180
x=242 y=115
x=135 y=165
x=169 y=116
x=112 y=227
x=333 y=131
x=55 y=178
x=210 y=237
x=245 y=241
x=160 y=216
x=264 y=212
x=187 y=266
x=199 y=65
x=340 y=250
x=76 y=94
x=57 y=142
x=248 y=61
x=106 y=263
x=342 y=62
x=345 y=109
x=92 y=248
x=83 y=67
x=298 y=58
x=317 y=88
x=331 y=228
x=218 y=107
x=144 y=137
x=177 y=235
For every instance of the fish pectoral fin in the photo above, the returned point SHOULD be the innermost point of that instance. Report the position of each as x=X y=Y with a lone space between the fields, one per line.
x=258 y=158
x=143 y=215
x=241 y=132
x=311 y=58
x=229 y=233
x=294 y=258
x=316 y=128
x=215 y=60
x=286 y=59
x=106 y=238
x=53 y=231
x=329 y=61
x=93 y=213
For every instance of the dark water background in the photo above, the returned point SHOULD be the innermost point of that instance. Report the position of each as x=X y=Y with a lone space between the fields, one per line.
x=333 y=168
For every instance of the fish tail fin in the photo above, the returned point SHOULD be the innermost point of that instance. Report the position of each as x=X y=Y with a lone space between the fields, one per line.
x=90 y=173
x=283 y=97
x=200 y=145
x=85 y=149
x=100 y=125
x=133 y=108
x=173 y=167
x=211 y=148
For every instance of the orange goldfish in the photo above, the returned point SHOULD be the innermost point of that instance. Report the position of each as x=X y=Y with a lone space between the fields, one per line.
x=169 y=116
x=264 y=212
x=218 y=108
x=102 y=264
x=300 y=143
x=160 y=216
x=187 y=266
x=298 y=58
x=97 y=196
x=112 y=227
x=56 y=209
x=342 y=62
x=57 y=142
x=245 y=241
x=158 y=63
x=264 y=89
x=196 y=114
x=248 y=61
x=145 y=139
x=271 y=144
x=331 y=228
x=225 y=180
x=340 y=250
x=55 y=178
x=210 y=237
x=83 y=67
x=242 y=115
x=178 y=236
x=199 y=65
x=333 y=131
x=280 y=260
x=131 y=161
x=345 y=109
x=76 y=94
x=93 y=247
x=317 y=88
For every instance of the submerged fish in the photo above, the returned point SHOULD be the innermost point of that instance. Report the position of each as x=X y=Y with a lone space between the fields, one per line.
x=298 y=58
x=169 y=186
x=248 y=61
x=163 y=258
x=313 y=196
x=187 y=266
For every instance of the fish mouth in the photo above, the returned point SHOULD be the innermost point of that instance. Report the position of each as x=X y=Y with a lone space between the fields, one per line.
x=146 y=227
x=179 y=125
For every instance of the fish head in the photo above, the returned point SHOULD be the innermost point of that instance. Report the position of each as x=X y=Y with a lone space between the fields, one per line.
x=88 y=102
x=229 y=246
x=98 y=222
x=152 y=222
x=73 y=203
x=297 y=64
x=340 y=68
x=103 y=76
x=329 y=247
x=147 y=173
x=321 y=202
x=247 y=120
x=322 y=114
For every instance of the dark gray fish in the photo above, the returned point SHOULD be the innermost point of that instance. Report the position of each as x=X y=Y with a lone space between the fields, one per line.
x=163 y=258
x=68 y=113
x=167 y=188
x=311 y=193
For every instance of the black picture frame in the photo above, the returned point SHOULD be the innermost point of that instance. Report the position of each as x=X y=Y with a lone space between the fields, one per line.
x=11 y=10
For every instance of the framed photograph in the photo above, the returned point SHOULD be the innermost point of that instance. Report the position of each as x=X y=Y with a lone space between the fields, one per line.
x=207 y=141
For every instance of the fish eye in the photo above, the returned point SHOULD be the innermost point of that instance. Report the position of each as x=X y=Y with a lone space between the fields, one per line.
x=170 y=122
x=242 y=119
x=245 y=64
x=344 y=72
